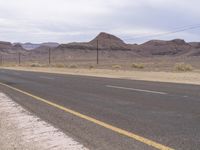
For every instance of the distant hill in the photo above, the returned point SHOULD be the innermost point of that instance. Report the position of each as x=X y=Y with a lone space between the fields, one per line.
x=176 y=47
x=195 y=44
x=108 y=41
x=160 y=48
x=50 y=44
x=31 y=46
x=7 y=47
x=105 y=42
x=111 y=46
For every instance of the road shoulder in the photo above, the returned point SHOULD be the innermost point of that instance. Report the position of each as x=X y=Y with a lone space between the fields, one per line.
x=21 y=129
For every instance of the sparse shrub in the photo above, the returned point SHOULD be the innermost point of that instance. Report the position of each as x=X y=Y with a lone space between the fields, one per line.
x=91 y=67
x=73 y=66
x=116 y=66
x=35 y=65
x=59 y=65
x=183 y=67
x=137 y=66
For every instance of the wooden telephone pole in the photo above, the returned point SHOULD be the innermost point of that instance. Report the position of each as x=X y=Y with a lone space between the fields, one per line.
x=49 y=56
x=19 y=58
x=1 y=60
x=97 y=52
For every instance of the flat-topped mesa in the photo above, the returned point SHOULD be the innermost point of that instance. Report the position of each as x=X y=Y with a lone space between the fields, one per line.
x=5 y=45
x=162 y=42
x=195 y=44
x=178 y=42
x=109 y=41
x=174 y=47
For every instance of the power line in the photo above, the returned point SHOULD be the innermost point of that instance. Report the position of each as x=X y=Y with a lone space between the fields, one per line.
x=184 y=28
x=97 y=51
x=172 y=29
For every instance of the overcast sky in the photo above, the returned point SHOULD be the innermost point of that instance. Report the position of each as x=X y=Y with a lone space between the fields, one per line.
x=63 y=21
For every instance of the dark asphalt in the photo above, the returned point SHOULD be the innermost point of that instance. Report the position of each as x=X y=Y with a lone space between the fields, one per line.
x=171 y=119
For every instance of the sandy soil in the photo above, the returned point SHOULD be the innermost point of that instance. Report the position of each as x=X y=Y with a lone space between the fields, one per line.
x=174 y=77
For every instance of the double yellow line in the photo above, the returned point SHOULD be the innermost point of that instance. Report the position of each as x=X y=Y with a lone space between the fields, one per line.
x=98 y=122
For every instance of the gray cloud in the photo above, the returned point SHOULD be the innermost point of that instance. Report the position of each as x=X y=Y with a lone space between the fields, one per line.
x=80 y=20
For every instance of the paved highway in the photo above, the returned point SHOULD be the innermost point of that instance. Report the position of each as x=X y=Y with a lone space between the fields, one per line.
x=111 y=114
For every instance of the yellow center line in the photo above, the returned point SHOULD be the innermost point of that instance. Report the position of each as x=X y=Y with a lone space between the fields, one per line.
x=98 y=122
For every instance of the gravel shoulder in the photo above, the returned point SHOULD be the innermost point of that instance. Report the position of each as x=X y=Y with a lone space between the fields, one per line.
x=21 y=130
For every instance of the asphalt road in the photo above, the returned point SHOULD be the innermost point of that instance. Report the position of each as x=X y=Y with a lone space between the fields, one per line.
x=166 y=113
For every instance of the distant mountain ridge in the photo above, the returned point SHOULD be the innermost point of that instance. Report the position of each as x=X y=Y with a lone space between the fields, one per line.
x=7 y=47
x=176 y=47
x=109 y=42
x=31 y=46
x=105 y=42
x=159 y=47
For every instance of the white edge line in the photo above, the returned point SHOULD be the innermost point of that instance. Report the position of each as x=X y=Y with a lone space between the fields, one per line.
x=138 y=90
x=49 y=78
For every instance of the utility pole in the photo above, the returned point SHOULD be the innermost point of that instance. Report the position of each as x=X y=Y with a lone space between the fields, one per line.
x=49 y=56
x=97 y=52
x=1 y=60
x=19 y=58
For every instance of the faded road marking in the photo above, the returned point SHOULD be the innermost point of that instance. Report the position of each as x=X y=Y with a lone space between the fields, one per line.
x=95 y=121
x=49 y=78
x=15 y=73
x=137 y=90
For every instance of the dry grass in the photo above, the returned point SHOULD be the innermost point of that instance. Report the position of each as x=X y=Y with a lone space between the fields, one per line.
x=73 y=66
x=35 y=65
x=182 y=67
x=140 y=63
x=137 y=65
x=60 y=65
x=151 y=69
x=91 y=67
x=116 y=66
